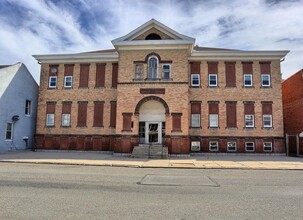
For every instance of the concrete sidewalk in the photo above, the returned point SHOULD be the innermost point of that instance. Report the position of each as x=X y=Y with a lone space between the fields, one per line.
x=215 y=161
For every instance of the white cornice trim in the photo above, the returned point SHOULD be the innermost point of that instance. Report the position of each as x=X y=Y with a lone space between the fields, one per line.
x=77 y=58
x=232 y=55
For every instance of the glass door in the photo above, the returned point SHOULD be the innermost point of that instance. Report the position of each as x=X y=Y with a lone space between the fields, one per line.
x=153 y=132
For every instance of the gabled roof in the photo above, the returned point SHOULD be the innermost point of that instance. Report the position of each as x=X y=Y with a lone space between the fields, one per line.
x=176 y=38
x=7 y=73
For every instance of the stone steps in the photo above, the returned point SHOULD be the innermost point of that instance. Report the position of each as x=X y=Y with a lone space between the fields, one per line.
x=157 y=151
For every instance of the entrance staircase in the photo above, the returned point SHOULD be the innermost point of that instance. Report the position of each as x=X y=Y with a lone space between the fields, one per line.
x=154 y=151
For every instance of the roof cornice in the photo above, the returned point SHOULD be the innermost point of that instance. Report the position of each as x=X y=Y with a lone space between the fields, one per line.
x=77 y=58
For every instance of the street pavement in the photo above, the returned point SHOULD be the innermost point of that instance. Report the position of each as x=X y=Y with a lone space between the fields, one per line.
x=207 y=161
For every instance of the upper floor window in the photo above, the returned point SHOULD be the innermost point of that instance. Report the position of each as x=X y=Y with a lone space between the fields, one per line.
x=248 y=80
x=139 y=71
x=68 y=81
x=27 y=107
x=50 y=119
x=195 y=80
x=166 y=71
x=52 y=82
x=9 y=131
x=265 y=80
x=153 y=67
x=249 y=121
x=212 y=80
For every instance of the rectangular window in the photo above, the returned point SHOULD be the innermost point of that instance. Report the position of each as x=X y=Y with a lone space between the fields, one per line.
x=127 y=121
x=98 y=113
x=139 y=71
x=50 y=120
x=231 y=114
x=68 y=81
x=195 y=80
x=142 y=132
x=230 y=74
x=195 y=146
x=248 y=80
x=195 y=114
x=100 y=75
x=9 y=131
x=84 y=75
x=213 y=146
x=249 y=121
x=166 y=71
x=82 y=113
x=249 y=146
x=213 y=121
x=267 y=146
x=195 y=120
x=114 y=75
x=265 y=80
x=212 y=80
x=50 y=114
x=113 y=113
x=267 y=121
x=52 y=82
x=28 y=107
x=231 y=146
x=176 y=121
x=65 y=120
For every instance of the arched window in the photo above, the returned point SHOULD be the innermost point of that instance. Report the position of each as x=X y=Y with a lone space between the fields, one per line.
x=153 y=36
x=152 y=67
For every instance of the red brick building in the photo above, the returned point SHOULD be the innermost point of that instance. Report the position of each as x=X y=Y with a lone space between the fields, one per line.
x=292 y=90
x=157 y=87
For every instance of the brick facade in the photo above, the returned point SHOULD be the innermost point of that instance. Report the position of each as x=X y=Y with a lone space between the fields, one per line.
x=123 y=93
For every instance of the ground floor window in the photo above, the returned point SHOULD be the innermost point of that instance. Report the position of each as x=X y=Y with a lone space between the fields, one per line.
x=9 y=131
x=213 y=146
x=231 y=146
x=267 y=146
x=249 y=146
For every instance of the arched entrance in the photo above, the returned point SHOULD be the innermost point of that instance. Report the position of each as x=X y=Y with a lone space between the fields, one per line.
x=151 y=112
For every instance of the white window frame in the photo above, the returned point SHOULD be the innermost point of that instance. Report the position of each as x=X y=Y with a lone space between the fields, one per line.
x=248 y=119
x=65 y=121
x=265 y=143
x=28 y=104
x=50 y=82
x=192 y=78
x=152 y=77
x=251 y=80
x=50 y=120
x=139 y=71
x=166 y=71
x=195 y=146
x=211 y=147
x=195 y=120
x=229 y=147
x=267 y=126
x=11 y=131
x=253 y=146
x=216 y=77
x=65 y=82
x=262 y=79
x=213 y=120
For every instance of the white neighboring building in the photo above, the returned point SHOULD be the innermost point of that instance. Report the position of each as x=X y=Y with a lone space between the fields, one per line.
x=18 y=107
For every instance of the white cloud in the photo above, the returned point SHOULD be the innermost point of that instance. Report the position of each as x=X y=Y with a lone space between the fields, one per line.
x=47 y=27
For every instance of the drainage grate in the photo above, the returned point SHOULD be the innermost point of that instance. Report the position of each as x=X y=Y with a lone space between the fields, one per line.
x=168 y=180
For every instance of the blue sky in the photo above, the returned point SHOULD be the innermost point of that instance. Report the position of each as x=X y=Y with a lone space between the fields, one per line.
x=70 y=26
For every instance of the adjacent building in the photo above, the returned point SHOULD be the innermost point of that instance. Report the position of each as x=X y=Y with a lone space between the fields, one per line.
x=18 y=107
x=157 y=87
x=292 y=90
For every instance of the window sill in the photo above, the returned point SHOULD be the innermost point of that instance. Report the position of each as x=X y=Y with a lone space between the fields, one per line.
x=83 y=87
x=212 y=87
x=81 y=126
x=98 y=126
x=195 y=127
x=268 y=128
x=51 y=88
x=67 y=88
x=195 y=87
x=126 y=131
x=231 y=128
x=230 y=87
x=176 y=131
x=67 y=126
x=249 y=128
x=49 y=126
x=248 y=87
x=266 y=87
x=213 y=128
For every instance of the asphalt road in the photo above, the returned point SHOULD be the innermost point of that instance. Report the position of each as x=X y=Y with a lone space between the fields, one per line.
x=29 y=191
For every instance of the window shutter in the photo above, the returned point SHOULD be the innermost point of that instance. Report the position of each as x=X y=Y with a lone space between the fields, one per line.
x=50 y=107
x=68 y=69
x=115 y=75
x=213 y=107
x=195 y=67
x=113 y=112
x=66 y=107
x=100 y=74
x=265 y=67
x=231 y=114
x=247 y=67
x=249 y=108
x=266 y=108
x=98 y=113
x=212 y=67
x=230 y=74
x=84 y=72
x=82 y=113
x=196 y=108
x=50 y=70
x=127 y=121
x=176 y=121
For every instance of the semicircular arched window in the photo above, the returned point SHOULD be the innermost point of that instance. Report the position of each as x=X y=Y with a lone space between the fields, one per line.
x=152 y=67
x=153 y=36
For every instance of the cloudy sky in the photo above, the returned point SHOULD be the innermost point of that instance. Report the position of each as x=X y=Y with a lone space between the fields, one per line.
x=30 y=27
